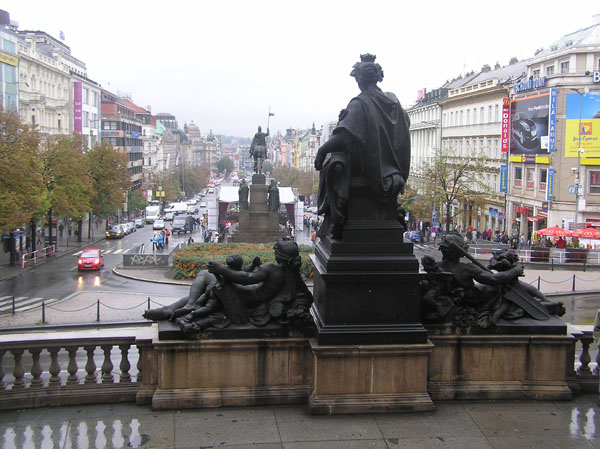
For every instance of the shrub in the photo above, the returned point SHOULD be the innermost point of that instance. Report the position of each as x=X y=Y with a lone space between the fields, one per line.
x=189 y=261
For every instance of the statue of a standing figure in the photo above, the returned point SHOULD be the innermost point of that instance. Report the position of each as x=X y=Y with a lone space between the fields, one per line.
x=243 y=195
x=273 y=197
x=258 y=149
x=370 y=146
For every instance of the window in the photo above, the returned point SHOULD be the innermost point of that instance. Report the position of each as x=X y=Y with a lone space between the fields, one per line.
x=86 y=95
x=461 y=118
x=9 y=47
x=518 y=176
x=58 y=123
x=536 y=73
x=33 y=119
x=594 y=181
x=543 y=179
x=481 y=117
x=530 y=178
x=564 y=67
x=86 y=119
x=468 y=116
x=489 y=113
x=550 y=70
x=497 y=113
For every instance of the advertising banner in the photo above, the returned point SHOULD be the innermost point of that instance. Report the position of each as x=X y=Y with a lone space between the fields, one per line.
x=503 y=178
x=77 y=107
x=584 y=108
x=552 y=122
x=529 y=125
x=550 y=185
x=505 y=124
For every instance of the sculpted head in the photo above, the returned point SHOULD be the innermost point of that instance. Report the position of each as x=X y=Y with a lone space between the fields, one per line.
x=259 y=129
x=448 y=250
x=286 y=253
x=367 y=71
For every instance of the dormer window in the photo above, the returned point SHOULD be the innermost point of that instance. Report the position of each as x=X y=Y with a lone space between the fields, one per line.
x=554 y=48
x=568 y=43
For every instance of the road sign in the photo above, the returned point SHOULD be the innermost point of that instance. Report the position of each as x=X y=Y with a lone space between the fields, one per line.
x=572 y=189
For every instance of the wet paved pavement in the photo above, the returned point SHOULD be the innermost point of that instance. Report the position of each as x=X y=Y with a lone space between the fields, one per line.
x=514 y=425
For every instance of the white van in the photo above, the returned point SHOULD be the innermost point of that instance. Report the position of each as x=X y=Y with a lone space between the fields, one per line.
x=152 y=213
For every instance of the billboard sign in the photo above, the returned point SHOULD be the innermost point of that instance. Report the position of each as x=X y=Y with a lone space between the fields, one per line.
x=550 y=185
x=530 y=120
x=584 y=109
x=503 y=178
x=77 y=107
x=505 y=124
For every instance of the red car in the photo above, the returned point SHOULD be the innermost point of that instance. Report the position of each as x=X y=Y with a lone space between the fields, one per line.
x=90 y=259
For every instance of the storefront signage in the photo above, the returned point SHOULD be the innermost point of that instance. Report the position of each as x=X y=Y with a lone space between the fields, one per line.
x=112 y=133
x=550 y=187
x=582 y=125
x=522 y=210
x=503 y=178
x=552 y=122
x=531 y=83
x=596 y=76
x=77 y=108
x=9 y=59
x=545 y=206
x=505 y=124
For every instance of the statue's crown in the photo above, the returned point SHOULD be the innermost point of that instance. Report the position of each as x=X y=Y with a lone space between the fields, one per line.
x=367 y=57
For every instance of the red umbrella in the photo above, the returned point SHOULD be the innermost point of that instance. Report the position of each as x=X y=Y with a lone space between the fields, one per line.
x=554 y=231
x=588 y=233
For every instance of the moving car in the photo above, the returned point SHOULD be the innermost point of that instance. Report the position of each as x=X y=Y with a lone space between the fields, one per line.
x=415 y=237
x=139 y=223
x=182 y=223
x=115 y=232
x=90 y=259
x=158 y=225
x=169 y=216
x=125 y=229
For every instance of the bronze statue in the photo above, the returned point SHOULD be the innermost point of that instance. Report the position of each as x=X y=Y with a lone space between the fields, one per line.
x=273 y=196
x=226 y=295
x=258 y=149
x=243 y=195
x=470 y=294
x=370 y=145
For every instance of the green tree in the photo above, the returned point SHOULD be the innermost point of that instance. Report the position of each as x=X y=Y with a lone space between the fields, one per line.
x=225 y=165
x=288 y=176
x=267 y=167
x=452 y=177
x=135 y=200
x=22 y=186
x=110 y=178
x=68 y=182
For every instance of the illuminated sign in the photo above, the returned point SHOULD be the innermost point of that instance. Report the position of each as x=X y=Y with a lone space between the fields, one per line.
x=77 y=107
x=549 y=187
x=503 y=178
x=531 y=83
x=582 y=128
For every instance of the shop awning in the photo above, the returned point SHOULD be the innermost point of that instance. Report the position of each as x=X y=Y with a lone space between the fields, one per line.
x=536 y=218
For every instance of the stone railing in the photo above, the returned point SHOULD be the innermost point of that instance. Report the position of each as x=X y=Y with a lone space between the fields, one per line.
x=36 y=372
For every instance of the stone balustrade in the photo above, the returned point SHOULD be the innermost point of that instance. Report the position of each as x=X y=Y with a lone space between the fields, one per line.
x=115 y=368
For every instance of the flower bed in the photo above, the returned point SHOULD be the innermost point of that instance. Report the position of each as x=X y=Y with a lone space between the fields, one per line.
x=188 y=262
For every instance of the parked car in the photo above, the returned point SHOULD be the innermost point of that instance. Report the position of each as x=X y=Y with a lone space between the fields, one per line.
x=139 y=223
x=158 y=225
x=124 y=228
x=115 y=232
x=169 y=216
x=90 y=259
x=131 y=226
x=182 y=223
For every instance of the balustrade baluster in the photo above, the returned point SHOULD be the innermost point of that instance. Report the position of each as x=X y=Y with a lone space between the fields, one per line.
x=2 y=384
x=18 y=371
x=139 y=365
x=72 y=367
x=54 y=368
x=90 y=365
x=125 y=366
x=36 y=368
x=585 y=358
x=107 y=365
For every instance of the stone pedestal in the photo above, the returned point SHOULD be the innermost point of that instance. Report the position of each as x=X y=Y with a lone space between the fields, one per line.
x=366 y=284
x=222 y=373
x=370 y=379
x=258 y=224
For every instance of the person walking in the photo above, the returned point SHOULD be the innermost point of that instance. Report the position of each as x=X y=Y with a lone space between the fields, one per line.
x=161 y=241
x=167 y=234
x=154 y=241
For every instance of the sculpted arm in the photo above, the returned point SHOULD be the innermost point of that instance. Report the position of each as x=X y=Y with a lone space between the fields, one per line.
x=333 y=145
x=240 y=277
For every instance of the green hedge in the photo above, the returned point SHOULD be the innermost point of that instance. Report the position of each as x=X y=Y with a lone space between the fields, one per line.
x=195 y=257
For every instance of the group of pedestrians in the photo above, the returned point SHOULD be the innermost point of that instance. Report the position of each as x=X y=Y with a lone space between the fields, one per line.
x=160 y=239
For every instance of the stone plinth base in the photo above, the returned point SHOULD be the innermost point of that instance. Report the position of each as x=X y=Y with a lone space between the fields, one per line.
x=220 y=373
x=370 y=379
x=500 y=367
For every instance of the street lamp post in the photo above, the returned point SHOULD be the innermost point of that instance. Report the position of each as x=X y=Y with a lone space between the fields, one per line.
x=578 y=170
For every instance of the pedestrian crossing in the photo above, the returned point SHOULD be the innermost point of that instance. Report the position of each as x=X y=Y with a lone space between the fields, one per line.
x=22 y=303
x=109 y=251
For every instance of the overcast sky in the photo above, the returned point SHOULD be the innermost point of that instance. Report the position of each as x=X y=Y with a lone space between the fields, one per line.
x=222 y=64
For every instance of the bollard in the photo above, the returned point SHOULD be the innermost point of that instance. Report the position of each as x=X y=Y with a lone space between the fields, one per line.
x=584 y=265
x=148 y=302
x=573 y=283
x=538 y=282
x=98 y=310
x=14 y=307
x=43 y=312
x=552 y=259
